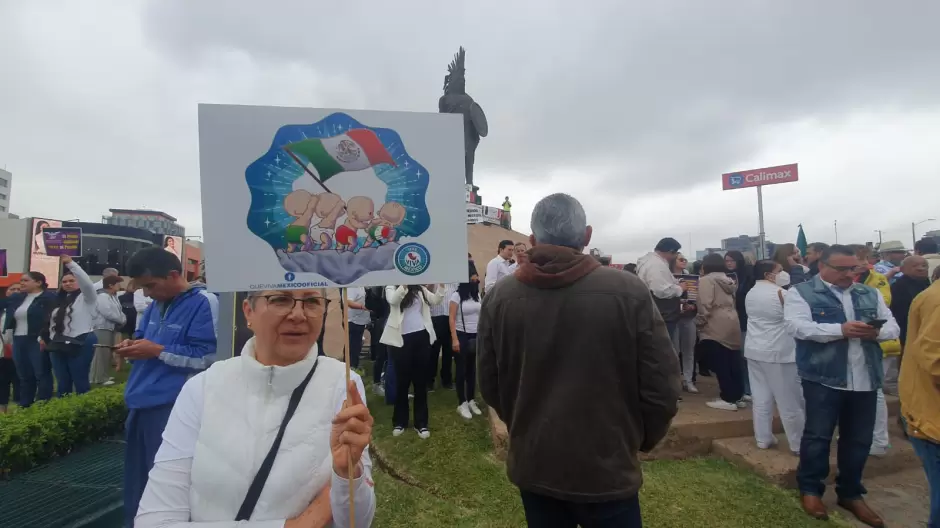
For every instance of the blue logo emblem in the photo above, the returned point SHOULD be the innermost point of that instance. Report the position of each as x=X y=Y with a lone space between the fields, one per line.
x=289 y=277
x=412 y=259
x=735 y=180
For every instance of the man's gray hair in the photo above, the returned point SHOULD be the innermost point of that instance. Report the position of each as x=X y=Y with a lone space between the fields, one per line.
x=110 y=271
x=559 y=220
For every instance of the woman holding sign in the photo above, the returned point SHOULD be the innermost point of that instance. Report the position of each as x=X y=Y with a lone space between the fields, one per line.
x=241 y=411
x=71 y=339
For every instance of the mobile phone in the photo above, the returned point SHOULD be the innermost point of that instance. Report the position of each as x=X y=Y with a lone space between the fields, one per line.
x=99 y=345
x=877 y=323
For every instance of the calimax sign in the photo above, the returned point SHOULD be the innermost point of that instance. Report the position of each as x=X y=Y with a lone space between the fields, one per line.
x=758 y=177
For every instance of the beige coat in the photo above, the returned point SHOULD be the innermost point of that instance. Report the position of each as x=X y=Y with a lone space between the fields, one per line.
x=717 y=318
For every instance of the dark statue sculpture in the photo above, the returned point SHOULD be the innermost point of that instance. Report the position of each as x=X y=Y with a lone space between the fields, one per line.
x=456 y=101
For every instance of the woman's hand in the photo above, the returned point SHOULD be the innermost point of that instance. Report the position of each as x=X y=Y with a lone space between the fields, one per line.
x=455 y=344
x=65 y=259
x=351 y=433
x=317 y=515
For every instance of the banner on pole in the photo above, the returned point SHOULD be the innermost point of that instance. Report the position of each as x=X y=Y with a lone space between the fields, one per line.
x=760 y=177
x=63 y=241
x=39 y=260
x=331 y=198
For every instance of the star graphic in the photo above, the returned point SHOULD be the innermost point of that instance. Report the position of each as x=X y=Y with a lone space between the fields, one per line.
x=269 y=174
x=267 y=222
x=277 y=159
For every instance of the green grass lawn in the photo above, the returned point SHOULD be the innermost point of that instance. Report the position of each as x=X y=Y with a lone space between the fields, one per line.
x=460 y=483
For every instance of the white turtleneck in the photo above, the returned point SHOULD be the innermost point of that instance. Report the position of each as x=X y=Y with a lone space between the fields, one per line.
x=222 y=426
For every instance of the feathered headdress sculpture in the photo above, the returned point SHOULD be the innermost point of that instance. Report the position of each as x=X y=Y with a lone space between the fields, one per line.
x=455 y=70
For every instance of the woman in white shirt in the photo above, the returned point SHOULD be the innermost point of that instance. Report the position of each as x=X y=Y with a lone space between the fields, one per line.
x=71 y=340
x=409 y=333
x=464 y=314
x=771 y=359
x=231 y=419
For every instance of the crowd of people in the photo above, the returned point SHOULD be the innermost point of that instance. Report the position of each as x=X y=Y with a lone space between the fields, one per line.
x=565 y=350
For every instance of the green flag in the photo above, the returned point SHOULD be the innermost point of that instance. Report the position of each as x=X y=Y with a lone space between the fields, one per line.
x=801 y=241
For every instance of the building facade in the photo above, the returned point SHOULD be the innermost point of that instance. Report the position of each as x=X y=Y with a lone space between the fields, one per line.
x=155 y=221
x=6 y=190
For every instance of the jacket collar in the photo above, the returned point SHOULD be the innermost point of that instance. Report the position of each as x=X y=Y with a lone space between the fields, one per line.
x=551 y=267
x=281 y=380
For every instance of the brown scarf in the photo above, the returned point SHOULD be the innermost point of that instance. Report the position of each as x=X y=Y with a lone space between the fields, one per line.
x=551 y=267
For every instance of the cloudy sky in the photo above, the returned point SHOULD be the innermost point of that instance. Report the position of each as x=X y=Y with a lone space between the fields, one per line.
x=635 y=108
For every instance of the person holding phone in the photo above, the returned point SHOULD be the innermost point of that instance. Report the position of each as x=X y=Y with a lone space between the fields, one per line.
x=835 y=322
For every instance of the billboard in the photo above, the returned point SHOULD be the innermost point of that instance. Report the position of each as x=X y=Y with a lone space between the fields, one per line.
x=39 y=259
x=759 y=177
x=474 y=213
x=174 y=244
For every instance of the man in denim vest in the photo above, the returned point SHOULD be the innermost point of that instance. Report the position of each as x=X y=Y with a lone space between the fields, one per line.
x=837 y=325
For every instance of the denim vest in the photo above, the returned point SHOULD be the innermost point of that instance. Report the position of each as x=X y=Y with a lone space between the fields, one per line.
x=828 y=363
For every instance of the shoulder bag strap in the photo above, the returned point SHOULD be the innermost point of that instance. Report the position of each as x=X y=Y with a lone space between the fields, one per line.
x=254 y=491
x=462 y=320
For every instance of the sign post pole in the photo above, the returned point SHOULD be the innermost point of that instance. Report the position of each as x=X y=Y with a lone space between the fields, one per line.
x=760 y=220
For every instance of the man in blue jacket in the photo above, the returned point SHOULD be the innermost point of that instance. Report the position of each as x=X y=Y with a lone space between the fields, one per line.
x=175 y=339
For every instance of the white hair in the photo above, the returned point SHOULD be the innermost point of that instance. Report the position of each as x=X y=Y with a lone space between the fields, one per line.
x=559 y=220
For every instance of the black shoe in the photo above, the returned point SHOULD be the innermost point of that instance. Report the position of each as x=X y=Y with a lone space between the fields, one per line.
x=447 y=386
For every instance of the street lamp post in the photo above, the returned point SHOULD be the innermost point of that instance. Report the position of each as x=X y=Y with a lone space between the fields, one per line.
x=914 y=226
x=879 y=236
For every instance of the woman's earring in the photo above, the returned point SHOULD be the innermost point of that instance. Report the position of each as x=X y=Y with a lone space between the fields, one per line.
x=249 y=324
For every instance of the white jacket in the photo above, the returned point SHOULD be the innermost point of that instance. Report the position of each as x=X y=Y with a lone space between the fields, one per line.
x=81 y=319
x=394 y=295
x=110 y=314
x=654 y=271
x=221 y=428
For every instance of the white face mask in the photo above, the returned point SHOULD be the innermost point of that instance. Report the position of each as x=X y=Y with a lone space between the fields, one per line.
x=782 y=279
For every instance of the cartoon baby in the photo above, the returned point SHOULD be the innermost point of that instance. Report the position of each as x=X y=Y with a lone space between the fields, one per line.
x=300 y=204
x=359 y=213
x=328 y=209
x=382 y=229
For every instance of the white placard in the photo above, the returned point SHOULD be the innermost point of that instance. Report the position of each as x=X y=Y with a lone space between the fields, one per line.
x=304 y=197
x=474 y=213
x=492 y=214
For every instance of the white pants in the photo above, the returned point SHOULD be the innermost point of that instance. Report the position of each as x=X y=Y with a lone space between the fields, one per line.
x=683 y=342
x=880 y=439
x=776 y=383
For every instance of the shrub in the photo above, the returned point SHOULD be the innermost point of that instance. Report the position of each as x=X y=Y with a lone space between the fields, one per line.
x=29 y=437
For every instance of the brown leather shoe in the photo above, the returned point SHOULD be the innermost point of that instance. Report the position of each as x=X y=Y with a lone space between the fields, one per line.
x=862 y=512
x=814 y=507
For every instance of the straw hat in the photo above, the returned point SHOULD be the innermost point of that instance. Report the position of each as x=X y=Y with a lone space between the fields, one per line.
x=892 y=246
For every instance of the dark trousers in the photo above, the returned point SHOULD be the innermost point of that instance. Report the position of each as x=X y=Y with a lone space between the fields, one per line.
x=929 y=453
x=72 y=368
x=466 y=361
x=144 y=434
x=546 y=512
x=854 y=413
x=378 y=350
x=8 y=382
x=441 y=348
x=745 y=377
x=355 y=343
x=726 y=364
x=411 y=366
x=34 y=369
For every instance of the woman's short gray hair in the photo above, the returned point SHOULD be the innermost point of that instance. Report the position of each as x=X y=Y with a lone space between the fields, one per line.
x=559 y=220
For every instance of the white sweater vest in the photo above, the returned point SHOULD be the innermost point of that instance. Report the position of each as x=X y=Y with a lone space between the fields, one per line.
x=244 y=404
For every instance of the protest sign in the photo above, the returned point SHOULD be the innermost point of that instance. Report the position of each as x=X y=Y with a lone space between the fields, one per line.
x=305 y=197
x=63 y=241
x=474 y=213
x=692 y=281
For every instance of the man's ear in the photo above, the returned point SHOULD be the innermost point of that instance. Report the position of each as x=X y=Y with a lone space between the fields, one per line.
x=588 y=231
x=532 y=242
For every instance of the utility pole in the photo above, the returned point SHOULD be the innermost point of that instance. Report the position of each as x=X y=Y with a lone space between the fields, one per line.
x=879 y=236
x=835 y=225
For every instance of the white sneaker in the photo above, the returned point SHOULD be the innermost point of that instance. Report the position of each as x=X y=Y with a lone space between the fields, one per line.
x=423 y=434
x=878 y=452
x=742 y=404
x=747 y=397
x=398 y=431
x=108 y=383
x=474 y=408
x=464 y=410
x=691 y=388
x=722 y=404
x=378 y=389
x=772 y=443
x=411 y=396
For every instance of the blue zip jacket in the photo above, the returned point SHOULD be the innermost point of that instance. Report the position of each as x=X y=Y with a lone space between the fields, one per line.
x=37 y=314
x=186 y=329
